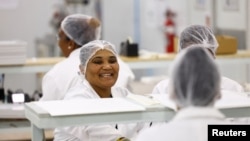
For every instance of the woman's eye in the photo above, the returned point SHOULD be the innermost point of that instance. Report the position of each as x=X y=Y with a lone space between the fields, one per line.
x=97 y=62
x=112 y=61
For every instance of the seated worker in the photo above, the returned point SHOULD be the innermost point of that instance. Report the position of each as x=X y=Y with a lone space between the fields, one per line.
x=75 y=31
x=199 y=35
x=100 y=67
x=195 y=87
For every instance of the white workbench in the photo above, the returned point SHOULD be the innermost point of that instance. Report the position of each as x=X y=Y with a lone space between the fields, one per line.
x=41 y=119
x=12 y=111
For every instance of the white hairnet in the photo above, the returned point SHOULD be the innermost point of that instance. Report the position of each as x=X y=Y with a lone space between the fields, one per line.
x=195 y=78
x=89 y=49
x=81 y=28
x=198 y=35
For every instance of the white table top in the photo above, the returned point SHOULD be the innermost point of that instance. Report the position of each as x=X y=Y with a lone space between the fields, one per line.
x=42 y=118
x=12 y=111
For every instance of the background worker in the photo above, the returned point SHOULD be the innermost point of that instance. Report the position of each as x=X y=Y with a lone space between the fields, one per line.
x=100 y=67
x=75 y=31
x=202 y=36
x=195 y=87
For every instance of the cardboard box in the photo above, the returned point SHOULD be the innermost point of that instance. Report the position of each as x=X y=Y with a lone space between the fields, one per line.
x=227 y=44
x=176 y=44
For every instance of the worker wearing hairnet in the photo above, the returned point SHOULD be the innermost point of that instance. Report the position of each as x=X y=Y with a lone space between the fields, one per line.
x=75 y=31
x=100 y=68
x=194 y=85
x=203 y=36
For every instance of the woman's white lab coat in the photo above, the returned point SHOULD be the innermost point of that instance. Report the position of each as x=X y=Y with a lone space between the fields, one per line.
x=189 y=124
x=226 y=84
x=64 y=75
x=94 y=132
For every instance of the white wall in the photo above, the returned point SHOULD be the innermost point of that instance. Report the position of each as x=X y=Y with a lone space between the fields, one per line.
x=248 y=31
x=28 y=21
x=152 y=22
x=233 y=20
x=117 y=27
x=199 y=11
x=248 y=25
x=151 y=26
x=117 y=19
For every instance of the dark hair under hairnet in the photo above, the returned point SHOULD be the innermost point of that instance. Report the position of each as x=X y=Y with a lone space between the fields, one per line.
x=89 y=49
x=195 y=78
x=198 y=35
x=81 y=28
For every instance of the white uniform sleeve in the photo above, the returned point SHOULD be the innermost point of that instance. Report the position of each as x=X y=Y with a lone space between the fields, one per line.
x=126 y=75
x=161 y=87
x=67 y=134
x=90 y=133
x=156 y=90
x=49 y=89
x=141 y=127
x=103 y=132
x=231 y=85
x=145 y=136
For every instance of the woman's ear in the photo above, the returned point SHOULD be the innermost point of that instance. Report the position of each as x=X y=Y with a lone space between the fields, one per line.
x=73 y=45
x=81 y=67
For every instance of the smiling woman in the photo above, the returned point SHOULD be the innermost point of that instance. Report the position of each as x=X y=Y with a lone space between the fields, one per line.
x=102 y=67
x=99 y=66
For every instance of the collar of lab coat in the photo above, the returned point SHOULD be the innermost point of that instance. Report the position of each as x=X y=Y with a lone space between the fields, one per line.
x=115 y=90
x=86 y=83
x=75 y=53
x=199 y=113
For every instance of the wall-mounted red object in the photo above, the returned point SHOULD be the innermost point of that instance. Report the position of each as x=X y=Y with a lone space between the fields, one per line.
x=170 y=31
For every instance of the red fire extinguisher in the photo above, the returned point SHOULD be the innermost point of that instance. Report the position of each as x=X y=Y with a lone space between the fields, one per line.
x=170 y=30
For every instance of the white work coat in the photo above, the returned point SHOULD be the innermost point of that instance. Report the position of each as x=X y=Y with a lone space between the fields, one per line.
x=189 y=124
x=226 y=84
x=65 y=75
x=96 y=132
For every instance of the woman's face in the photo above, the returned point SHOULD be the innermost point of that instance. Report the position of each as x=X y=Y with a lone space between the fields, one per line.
x=102 y=69
x=64 y=43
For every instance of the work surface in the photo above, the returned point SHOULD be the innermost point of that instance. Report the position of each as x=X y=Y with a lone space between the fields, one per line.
x=34 y=65
x=148 y=109
x=134 y=108
x=48 y=114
